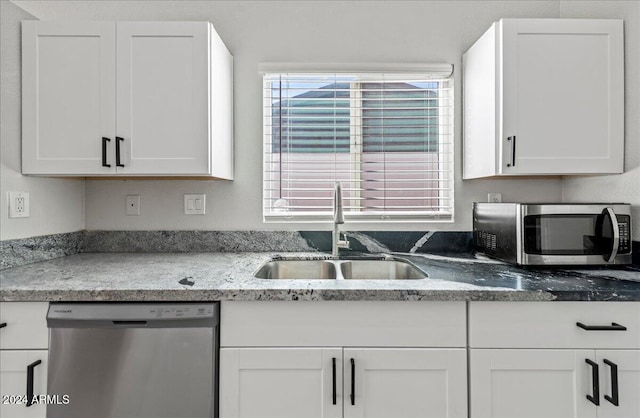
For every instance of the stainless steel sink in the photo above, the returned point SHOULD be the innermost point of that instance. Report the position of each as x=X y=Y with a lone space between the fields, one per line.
x=297 y=269
x=388 y=268
x=380 y=270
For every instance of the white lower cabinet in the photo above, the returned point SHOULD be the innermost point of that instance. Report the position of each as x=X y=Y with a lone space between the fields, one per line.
x=330 y=382
x=23 y=359
x=555 y=383
x=554 y=360
x=343 y=359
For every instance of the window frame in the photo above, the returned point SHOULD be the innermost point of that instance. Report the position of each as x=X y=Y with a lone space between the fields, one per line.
x=356 y=144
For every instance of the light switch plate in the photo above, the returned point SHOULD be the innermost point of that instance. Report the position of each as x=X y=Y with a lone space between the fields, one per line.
x=18 y=204
x=195 y=204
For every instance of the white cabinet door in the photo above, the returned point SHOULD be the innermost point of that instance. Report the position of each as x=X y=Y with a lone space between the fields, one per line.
x=163 y=97
x=625 y=366
x=531 y=383
x=280 y=382
x=13 y=383
x=68 y=97
x=563 y=96
x=405 y=382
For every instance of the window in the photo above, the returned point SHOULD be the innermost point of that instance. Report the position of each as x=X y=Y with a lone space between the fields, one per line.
x=387 y=138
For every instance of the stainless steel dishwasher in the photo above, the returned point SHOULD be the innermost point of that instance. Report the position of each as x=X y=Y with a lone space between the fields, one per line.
x=143 y=360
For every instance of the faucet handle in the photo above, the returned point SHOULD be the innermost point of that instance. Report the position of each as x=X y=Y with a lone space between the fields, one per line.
x=343 y=243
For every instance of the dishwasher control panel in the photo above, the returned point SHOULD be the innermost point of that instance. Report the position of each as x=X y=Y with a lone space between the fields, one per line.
x=181 y=311
x=132 y=314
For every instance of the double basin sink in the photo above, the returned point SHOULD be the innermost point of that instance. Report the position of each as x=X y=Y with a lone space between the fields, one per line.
x=389 y=268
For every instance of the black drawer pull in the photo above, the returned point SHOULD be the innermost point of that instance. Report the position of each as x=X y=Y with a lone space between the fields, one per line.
x=612 y=327
x=353 y=382
x=595 y=383
x=30 y=381
x=118 y=162
x=614 y=383
x=512 y=140
x=4 y=324
x=335 y=393
x=104 y=152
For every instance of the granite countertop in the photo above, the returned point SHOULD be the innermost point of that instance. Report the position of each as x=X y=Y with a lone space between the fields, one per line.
x=229 y=276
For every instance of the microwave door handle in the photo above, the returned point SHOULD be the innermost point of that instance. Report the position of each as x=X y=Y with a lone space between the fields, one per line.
x=616 y=235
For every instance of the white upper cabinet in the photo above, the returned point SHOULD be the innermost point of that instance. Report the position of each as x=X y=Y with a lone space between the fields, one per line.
x=68 y=96
x=126 y=98
x=544 y=96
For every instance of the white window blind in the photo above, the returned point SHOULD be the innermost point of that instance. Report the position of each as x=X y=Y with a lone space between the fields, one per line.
x=387 y=138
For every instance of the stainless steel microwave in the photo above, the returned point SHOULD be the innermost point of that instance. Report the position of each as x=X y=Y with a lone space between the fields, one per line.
x=537 y=234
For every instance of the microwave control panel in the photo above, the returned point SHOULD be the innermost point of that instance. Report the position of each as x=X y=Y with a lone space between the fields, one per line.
x=625 y=234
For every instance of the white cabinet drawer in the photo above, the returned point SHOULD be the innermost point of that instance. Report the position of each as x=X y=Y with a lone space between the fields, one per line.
x=553 y=324
x=26 y=325
x=13 y=383
x=337 y=323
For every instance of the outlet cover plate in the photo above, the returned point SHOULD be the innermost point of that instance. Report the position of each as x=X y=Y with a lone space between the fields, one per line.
x=494 y=197
x=195 y=204
x=18 y=204
x=133 y=205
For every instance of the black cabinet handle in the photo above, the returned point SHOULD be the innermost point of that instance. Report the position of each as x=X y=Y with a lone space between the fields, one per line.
x=30 y=381
x=335 y=394
x=104 y=151
x=595 y=383
x=353 y=382
x=118 y=162
x=4 y=324
x=614 y=383
x=512 y=140
x=612 y=327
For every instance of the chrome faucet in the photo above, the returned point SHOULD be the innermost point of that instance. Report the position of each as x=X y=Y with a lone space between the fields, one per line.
x=338 y=218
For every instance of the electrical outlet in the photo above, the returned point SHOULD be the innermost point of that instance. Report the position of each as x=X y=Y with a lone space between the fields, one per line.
x=195 y=204
x=494 y=197
x=18 y=205
x=132 y=202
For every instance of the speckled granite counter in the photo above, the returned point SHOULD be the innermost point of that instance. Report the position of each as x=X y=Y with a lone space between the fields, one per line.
x=229 y=276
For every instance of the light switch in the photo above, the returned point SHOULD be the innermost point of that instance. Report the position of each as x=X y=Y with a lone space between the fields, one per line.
x=194 y=204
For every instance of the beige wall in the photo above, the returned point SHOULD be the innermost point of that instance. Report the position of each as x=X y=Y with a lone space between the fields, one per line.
x=57 y=205
x=333 y=31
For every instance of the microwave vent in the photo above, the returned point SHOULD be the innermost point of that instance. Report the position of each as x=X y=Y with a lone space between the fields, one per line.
x=486 y=240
